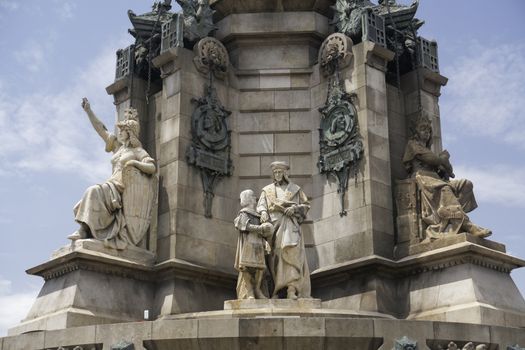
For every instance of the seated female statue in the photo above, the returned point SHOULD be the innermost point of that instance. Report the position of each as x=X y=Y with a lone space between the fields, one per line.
x=118 y=211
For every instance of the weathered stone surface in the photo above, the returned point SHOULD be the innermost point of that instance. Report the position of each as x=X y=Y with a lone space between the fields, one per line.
x=124 y=332
x=417 y=331
x=468 y=292
x=275 y=82
x=218 y=330
x=71 y=295
x=172 y=84
x=256 y=143
x=242 y=304
x=293 y=143
x=292 y=100
x=263 y=122
x=250 y=166
x=190 y=293
x=24 y=341
x=168 y=329
x=97 y=248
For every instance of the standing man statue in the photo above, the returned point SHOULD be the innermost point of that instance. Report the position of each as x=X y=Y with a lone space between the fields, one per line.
x=284 y=205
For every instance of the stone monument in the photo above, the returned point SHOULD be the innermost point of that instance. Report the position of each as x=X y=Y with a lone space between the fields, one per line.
x=252 y=246
x=331 y=89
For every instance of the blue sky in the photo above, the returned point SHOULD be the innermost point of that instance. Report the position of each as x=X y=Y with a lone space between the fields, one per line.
x=55 y=52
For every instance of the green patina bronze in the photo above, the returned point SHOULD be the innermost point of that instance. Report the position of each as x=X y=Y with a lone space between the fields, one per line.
x=341 y=147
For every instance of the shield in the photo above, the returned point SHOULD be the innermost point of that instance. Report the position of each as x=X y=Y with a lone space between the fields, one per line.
x=140 y=192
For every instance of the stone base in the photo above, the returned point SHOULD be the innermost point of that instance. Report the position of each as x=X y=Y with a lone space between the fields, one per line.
x=461 y=282
x=93 y=246
x=88 y=284
x=272 y=333
x=426 y=246
x=244 y=304
x=84 y=286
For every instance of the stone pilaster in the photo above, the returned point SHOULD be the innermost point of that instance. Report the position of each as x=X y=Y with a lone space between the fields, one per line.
x=419 y=93
x=130 y=91
x=367 y=230
x=185 y=235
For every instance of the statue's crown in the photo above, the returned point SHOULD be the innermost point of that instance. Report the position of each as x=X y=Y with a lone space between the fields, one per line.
x=131 y=114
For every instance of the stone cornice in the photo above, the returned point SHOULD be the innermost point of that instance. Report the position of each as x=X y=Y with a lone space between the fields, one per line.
x=114 y=266
x=252 y=26
x=227 y=7
x=429 y=81
x=82 y=260
x=435 y=260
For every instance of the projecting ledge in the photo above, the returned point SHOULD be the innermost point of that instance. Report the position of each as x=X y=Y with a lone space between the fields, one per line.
x=436 y=259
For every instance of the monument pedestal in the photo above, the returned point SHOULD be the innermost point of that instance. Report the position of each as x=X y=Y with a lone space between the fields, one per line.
x=270 y=333
x=274 y=304
x=460 y=282
x=467 y=280
x=86 y=283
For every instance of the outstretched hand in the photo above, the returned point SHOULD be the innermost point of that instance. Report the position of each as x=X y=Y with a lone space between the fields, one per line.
x=85 y=104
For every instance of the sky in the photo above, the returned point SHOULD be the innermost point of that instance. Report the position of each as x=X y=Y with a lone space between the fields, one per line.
x=54 y=52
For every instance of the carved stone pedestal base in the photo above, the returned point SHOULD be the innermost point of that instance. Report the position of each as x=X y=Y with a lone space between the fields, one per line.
x=271 y=333
x=467 y=282
x=457 y=279
x=93 y=246
x=85 y=287
x=243 y=304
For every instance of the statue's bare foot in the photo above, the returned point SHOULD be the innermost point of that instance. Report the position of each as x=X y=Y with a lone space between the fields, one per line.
x=249 y=294
x=259 y=294
x=291 y=293
x=478 y=231
x=81 y=233
x=74 y=236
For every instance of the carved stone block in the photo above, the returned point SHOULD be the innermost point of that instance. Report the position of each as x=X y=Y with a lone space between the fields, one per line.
x=408 y=205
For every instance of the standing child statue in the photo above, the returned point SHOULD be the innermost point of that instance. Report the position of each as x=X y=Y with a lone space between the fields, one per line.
x=251 y=249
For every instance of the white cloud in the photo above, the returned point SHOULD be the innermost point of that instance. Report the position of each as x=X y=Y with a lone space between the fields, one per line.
x=65 y=9
x=9 y=5
x=498 y=184
x=32 y=57
x=5 y=286
x=13 y=306
x=485 y=91
x=50 y=132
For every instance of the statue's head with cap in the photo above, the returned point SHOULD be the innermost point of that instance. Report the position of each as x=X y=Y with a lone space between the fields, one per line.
x=280 y=171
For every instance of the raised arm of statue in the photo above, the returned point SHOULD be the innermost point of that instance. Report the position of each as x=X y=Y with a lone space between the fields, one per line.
x=99 y=127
